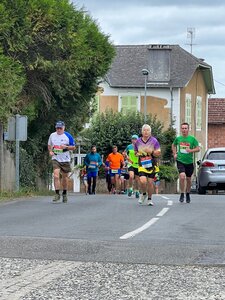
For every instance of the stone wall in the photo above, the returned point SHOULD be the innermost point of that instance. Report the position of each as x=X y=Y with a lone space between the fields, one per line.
x=9 y=171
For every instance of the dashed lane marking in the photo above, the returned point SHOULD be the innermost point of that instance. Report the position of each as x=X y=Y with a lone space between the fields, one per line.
x=138 y=230
x=133 y=233
x=162 y=212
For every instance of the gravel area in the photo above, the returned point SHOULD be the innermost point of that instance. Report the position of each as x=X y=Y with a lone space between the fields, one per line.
x=23 y=279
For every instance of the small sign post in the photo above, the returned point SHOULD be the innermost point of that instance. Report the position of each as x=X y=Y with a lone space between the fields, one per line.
x=17 y=131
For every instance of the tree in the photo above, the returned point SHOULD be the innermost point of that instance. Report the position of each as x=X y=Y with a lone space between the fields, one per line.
x=114 y=128
x=11 y=84
x=63 y=54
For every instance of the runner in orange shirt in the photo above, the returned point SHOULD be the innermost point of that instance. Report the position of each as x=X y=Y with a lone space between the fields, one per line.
x=116 y=162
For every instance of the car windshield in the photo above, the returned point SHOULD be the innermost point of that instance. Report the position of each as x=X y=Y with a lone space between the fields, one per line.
x=217 y=155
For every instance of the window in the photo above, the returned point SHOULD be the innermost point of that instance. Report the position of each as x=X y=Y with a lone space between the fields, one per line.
x=217 y=155
x=199 y=113
x=129 y=103
x=188 y=109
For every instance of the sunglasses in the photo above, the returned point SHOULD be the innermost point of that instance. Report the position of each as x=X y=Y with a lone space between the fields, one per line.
x=59 y=128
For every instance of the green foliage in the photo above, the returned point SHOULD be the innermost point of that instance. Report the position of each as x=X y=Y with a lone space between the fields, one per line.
x=11 y=84
x=27 y=170
x=169 y=173
x=169 y=137
x=115 y=128
x=23 y=192
x=54 y=55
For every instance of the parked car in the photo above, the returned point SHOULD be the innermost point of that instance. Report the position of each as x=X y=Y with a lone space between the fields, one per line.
x=211 y=171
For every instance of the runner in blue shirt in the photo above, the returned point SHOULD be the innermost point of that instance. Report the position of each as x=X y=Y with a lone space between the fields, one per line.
x=92 y=161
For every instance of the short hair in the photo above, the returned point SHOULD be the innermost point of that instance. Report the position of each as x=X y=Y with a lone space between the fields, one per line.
x=114 y=146
x=93 y=146
x=146 y=126
x=185 y=123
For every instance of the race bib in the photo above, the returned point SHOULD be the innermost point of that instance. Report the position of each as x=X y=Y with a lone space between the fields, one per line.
x=57 y=150
x=146 y=162
x=114 y=171
x=184 y=147
x=92 y=165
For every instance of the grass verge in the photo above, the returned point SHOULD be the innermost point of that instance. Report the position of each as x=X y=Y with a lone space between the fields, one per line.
x=24 y=192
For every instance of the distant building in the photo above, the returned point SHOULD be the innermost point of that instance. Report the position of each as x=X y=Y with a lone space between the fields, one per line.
x=216 y=122
x=177 y=89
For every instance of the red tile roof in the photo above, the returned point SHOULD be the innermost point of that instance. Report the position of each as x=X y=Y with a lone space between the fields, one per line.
x=216 y=110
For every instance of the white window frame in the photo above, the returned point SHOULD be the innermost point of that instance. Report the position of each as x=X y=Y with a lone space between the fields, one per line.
x=138 y=97
x=188 y=109
x=199 y=113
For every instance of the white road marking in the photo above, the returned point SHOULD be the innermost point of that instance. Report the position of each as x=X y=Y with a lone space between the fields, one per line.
x=162 y=212
x=149 y=223
x=138 y=230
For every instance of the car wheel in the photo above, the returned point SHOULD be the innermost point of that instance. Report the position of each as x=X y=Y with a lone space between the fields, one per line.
x=201 y=190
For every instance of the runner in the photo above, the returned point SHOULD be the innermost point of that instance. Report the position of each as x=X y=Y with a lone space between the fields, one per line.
x=132 y=168
x=124 y=176
x=92 y=161
x=60 y=143
x=183 y=147
x=84 y=179
x=147 y=148
x=116 y=161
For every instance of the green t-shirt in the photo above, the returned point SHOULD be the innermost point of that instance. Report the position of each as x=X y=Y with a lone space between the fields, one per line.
x=132 y=158
x=182 y=143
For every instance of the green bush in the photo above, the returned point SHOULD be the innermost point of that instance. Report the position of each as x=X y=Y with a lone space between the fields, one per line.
x=169 y=173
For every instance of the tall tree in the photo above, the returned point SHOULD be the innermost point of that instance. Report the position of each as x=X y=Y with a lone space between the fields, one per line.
x=12 y=80
x=63 y=54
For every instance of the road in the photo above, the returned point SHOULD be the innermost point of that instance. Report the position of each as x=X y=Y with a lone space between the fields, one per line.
x=109 y=247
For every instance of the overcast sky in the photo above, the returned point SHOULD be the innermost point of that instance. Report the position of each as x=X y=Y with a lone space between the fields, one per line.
x=130 y=22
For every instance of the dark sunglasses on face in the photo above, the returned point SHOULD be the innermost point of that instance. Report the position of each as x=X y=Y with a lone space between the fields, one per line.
x=58 y=127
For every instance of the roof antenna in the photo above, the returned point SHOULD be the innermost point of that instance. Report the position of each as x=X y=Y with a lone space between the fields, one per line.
x=190 y=36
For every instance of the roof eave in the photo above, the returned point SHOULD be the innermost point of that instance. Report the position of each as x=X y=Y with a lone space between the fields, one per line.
x=208 y=78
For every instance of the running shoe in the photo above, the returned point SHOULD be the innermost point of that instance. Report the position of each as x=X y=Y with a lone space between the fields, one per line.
x=149 y=202
x=181 y=198
x=65 y=199
x=129 y=193
x=188 y=199
x=137 y=195
x=143 y=198
x=56 y=198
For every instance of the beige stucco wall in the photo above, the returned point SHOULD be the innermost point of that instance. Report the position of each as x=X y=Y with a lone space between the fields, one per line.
x=157 y=106
x=196 y=87
x=108 y=102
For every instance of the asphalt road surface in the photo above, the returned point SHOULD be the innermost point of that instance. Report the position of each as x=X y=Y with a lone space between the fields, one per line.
x=110 y=247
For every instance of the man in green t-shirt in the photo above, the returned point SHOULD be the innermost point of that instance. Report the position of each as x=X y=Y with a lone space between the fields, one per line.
x=132 y=168
x=183 y=148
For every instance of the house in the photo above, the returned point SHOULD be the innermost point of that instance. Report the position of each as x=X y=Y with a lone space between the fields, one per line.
x=216 y=122
x=164 y=80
